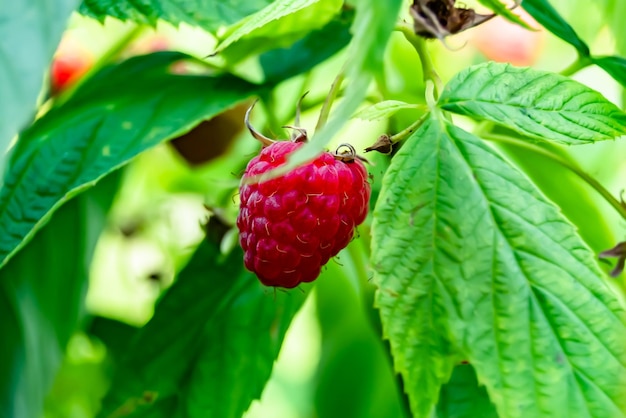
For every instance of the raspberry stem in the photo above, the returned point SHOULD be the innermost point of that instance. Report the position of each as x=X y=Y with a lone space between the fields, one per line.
x=257 y=135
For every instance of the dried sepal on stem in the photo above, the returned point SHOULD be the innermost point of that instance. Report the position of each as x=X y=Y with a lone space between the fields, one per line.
x=441 y=18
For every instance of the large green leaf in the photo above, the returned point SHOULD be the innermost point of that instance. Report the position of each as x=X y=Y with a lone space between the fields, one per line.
x=112 y=117
x=472 y=260
x=209 y=347
x=549 y=18
x=29 y=33
x=539 y=104
x=42 y=293
x=278 y=25
x=208 y=14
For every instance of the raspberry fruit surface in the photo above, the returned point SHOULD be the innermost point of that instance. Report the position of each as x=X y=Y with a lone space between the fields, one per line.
x=292 y=225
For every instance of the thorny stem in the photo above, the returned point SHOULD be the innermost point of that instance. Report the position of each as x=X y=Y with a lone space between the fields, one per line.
x=580 y=63
x=574 y=168
x=328 y=103
x=428 y=69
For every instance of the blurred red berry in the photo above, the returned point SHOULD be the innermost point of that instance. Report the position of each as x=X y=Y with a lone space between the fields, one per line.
x=502 y=41
x=71 y=61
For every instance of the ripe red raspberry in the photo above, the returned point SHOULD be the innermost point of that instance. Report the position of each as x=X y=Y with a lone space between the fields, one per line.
x=292 y=225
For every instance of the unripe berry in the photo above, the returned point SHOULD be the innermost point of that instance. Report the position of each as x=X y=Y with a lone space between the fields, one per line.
x=292 y=225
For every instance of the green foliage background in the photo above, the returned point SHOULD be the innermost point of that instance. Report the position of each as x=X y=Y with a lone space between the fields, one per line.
x=473 y=289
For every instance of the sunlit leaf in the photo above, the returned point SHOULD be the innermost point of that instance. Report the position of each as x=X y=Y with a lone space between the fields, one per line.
x=278 y=25
x=539 y=104
x=543 y=12
x=99 y=129
x=473 y=263
x=208 y=14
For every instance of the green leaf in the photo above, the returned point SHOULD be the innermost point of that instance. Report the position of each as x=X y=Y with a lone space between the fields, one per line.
x=354 y=378
x=42 y=293
x=373 y=24
x=284 y=63
x=30 y=31
x=277 y=25
x=549 y=18
x=207 y=14
x=216 y=324
x=463 y=397
x=498 y=7
x=615 y=66
x=384 y=109
x=111 y=118
x=539 y=104
x=468 y=254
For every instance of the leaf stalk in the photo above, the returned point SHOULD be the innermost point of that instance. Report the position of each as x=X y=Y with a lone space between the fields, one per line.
x=573 y=167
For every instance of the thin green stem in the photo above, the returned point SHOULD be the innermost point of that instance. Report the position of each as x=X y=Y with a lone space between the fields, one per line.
x=573 y=167
x=405 y=133
x=580 y=63
x=419 y=44
x=328 y=103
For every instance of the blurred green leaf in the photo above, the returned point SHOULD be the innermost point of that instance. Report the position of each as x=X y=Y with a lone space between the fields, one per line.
x=277 y=25
x=214 y=337
x=42 y=293
x=549 y=18
x=385 y=109
x=473 y=263
x=208 y=14
x=615 y=66
x=539 y=104
x=115 y=335
x=115 y=115
x=500 y=8
x=29 y=34
x=613 y=12
x=373 y=24
x=355 y=376
x=317 y=46
x=463 y=397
